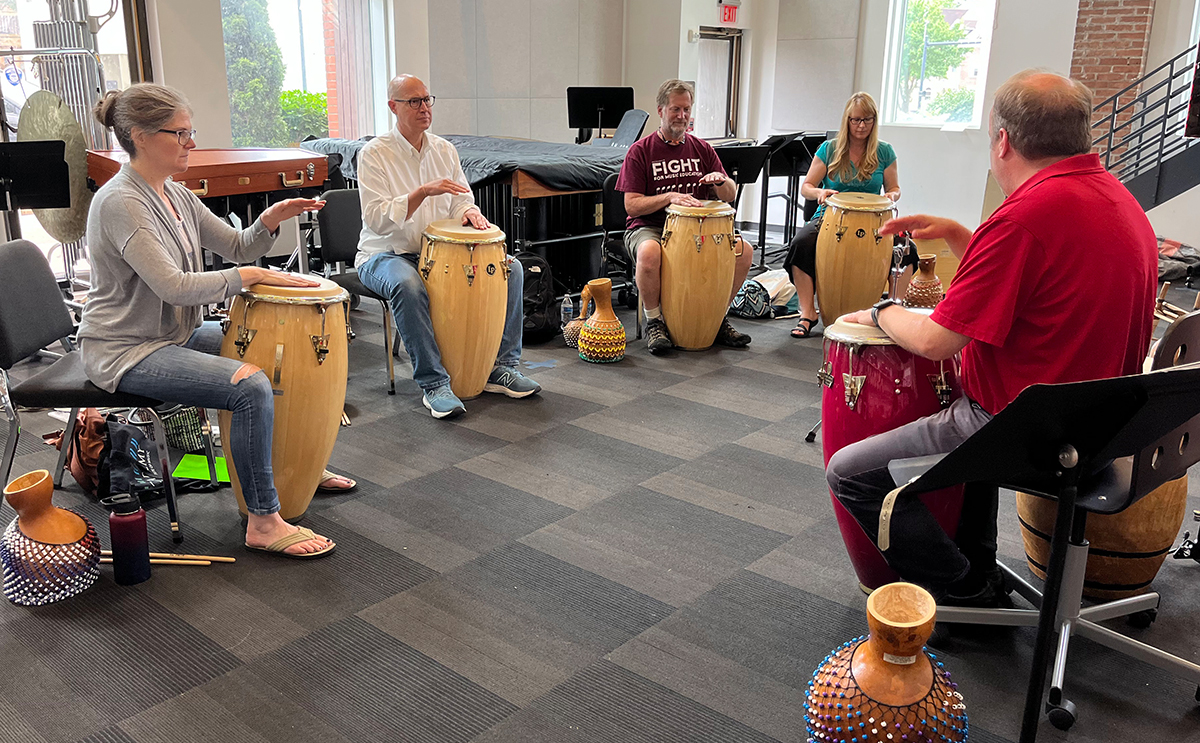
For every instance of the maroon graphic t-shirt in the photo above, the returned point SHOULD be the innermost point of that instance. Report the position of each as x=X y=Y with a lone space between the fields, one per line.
x=654 y=167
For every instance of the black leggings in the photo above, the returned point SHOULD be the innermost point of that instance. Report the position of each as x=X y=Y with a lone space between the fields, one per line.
x=802 y=251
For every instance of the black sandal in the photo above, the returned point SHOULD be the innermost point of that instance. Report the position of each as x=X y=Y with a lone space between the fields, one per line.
x=804 y=331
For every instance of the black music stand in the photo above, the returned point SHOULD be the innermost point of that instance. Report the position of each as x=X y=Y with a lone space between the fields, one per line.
x=743 y=164
x=33 y=175
x=791 y=156
x=601 y=107
x=1094 y=447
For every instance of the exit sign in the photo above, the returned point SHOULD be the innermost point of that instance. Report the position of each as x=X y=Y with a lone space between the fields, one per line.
x=729 y=13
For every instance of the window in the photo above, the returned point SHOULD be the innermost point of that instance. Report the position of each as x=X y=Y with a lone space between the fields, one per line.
x=298 y=68
x=937 y=55
x=715 y=112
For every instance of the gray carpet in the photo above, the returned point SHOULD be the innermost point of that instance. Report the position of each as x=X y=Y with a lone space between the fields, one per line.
x=644 y=552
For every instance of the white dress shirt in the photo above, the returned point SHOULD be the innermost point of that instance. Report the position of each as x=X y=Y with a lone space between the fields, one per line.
x=389 y=169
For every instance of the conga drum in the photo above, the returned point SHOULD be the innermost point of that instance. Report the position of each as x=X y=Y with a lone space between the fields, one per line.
x=297 y=335
x=1125 y=550
x=466 y=275
x=871 y=385
x=853 y=259
x=698 y=260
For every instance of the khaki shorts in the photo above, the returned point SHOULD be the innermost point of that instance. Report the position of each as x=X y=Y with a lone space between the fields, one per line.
x=639 y=235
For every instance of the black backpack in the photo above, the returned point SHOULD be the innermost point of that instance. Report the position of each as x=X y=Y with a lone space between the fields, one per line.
x=541 y=320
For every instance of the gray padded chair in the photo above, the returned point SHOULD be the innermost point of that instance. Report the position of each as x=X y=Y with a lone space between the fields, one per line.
x=628 y=131
x=340 y=222
x=32 y=316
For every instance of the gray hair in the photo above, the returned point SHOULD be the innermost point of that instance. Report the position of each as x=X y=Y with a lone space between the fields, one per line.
x=670 y=88
x=144 y=106
x=1046 y=115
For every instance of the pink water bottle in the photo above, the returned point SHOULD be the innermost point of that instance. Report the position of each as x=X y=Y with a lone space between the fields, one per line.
x=130 y=542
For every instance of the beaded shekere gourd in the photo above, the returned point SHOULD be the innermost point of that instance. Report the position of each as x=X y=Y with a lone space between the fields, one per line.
x=886 y=688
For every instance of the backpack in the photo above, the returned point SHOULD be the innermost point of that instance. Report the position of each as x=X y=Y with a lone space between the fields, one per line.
x=127 y=461
x=541 y=318
x=83 y=452
x=752 y=300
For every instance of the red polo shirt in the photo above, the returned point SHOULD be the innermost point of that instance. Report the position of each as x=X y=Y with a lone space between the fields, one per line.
x=1057 y=286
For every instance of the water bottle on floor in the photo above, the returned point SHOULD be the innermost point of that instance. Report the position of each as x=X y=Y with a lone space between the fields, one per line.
x=567 y=312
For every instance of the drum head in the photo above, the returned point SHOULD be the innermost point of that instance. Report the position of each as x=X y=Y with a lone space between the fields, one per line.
x=854 y=334
x=452 y=230
x=860 y=202
x=327 y=293
x=707 y=209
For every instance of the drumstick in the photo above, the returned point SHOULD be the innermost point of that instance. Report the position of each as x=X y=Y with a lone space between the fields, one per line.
x=175 y=556
x=153 y=561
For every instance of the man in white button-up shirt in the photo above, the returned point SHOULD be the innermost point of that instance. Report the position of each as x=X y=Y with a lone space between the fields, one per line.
x=408 y=178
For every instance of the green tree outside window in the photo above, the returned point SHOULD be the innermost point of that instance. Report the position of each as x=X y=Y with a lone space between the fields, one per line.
x=254 y=67
x=925 y=23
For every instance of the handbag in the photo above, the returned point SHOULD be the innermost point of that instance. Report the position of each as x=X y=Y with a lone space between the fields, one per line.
x=84 y=448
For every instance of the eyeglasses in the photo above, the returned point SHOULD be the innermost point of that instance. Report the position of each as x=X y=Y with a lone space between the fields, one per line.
x=183 y=135
x=859 y=122
x=415 y=103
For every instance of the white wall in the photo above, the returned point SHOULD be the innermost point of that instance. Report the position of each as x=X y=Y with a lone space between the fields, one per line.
x=188 y=53
x=814 y=63
x=1170 y=31
x=411 y=34
x=945 y=172
x=653 y=37
x=1176 y=219
x=502 y=67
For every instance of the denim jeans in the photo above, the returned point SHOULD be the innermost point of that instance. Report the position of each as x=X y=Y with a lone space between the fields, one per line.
x=193 y=374
x=921 y=552
x=395 y=276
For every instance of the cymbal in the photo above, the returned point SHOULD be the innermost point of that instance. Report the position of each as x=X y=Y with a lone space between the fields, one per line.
x=46 y=117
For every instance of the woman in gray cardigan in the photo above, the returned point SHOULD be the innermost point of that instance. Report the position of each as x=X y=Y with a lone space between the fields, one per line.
x=142 y=332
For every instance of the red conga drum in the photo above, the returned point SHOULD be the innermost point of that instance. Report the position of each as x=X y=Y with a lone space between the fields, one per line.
x=871 y=386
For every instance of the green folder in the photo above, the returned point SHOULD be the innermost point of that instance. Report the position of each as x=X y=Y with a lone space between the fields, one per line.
x=195 y=467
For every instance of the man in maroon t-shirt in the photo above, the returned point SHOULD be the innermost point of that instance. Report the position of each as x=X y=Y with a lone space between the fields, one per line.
x=672 y=167
x=1057 y=286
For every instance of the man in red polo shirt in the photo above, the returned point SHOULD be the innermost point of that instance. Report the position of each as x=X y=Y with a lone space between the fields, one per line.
x=1058 y=285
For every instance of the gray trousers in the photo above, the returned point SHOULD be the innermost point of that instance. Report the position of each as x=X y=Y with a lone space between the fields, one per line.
x=920 y=550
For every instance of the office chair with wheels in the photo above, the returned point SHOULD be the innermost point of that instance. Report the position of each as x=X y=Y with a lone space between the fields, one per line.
x=1095 y=447
x=612 y=250
x=32 y=315
x=340 y=222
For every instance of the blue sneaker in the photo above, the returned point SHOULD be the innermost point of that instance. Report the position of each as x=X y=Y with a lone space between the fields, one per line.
x=443 y=403
x=506 y=380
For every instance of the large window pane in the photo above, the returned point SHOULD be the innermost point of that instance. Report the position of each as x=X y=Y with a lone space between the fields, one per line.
x=937 y=61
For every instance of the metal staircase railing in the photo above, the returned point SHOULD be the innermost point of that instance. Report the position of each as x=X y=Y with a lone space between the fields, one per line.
x=1136 y=135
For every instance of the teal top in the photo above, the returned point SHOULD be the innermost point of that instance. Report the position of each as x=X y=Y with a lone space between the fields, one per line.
x=874 y=184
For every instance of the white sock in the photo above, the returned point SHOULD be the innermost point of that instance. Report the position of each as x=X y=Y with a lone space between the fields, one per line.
x=653 y=314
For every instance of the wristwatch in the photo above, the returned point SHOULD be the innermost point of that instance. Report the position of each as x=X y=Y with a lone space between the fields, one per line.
x=879 y=306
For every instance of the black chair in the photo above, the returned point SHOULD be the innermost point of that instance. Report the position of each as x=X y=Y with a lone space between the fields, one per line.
x=628 y=131
x=810 y=205
x=612 y=250
x=340 y=222
x=32 y=316
x=1094 y=452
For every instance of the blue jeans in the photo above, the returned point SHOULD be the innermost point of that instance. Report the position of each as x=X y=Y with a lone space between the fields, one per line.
x=395 y=276
x=193 y=374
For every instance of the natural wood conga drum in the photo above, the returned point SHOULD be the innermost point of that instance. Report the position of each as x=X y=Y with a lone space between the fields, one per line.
x=466 y=275
x=853 y=259
x=297 y=336
x=1125 y=549
x=698 y=262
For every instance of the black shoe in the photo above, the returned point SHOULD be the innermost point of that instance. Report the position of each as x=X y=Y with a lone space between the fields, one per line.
x=731 y=336
x=657 y=338
x=987 y=597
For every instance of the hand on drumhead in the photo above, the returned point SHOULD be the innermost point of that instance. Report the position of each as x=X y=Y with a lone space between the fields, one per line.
x=444 y=185
x=683 y=199
x=823 y=194
x=254 y=275
x=475 y=218
x=862 y=317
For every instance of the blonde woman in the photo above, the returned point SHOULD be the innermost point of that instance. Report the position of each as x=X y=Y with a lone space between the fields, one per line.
x=854 y=160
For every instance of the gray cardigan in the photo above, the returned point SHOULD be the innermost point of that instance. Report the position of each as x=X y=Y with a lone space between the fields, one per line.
x=147 y=284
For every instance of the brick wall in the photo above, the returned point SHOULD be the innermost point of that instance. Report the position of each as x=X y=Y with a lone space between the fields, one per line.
x=1111 y=40
x=330 y=20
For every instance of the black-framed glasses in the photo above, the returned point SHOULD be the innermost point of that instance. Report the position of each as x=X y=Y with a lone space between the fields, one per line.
x=867 y=120
x=415 y=103
x=183 y=135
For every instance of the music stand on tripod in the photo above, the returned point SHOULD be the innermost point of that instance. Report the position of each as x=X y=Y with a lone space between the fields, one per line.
x=743 y=164
x=1094 y=446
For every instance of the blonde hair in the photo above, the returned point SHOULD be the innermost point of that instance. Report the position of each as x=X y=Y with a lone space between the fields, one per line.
x=840 y=166
x=671 y=87
x=144 y=106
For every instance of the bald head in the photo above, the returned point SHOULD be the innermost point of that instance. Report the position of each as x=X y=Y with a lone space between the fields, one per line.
x=1045 y=115
x=404 y=86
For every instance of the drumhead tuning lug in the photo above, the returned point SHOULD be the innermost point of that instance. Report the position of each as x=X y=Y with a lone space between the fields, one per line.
x=699 y=240
x=321 y=346
x=853 y=387
x=469 y=270
x=244 y=337
x=825 y=374
x=942 y=388
x=718 y=238
x=506 y=266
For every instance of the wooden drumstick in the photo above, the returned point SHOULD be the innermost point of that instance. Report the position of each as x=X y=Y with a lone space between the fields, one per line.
x=174 y=556
x=153 y=561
